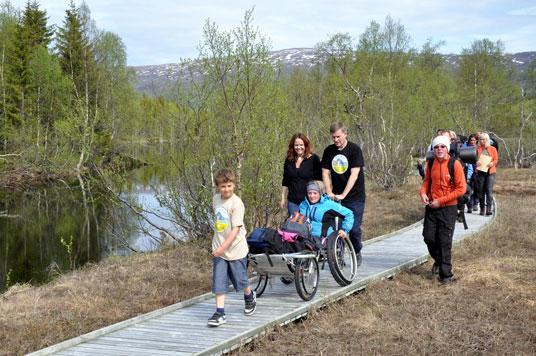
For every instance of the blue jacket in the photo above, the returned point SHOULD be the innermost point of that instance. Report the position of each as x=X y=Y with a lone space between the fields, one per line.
x=316 y=212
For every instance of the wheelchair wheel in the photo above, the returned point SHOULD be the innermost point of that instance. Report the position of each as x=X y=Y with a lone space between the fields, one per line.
x=306 y=276
x=341 y=259
x=260 y=286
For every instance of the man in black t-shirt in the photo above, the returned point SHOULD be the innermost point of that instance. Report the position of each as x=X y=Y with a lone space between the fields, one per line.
x=342 y=173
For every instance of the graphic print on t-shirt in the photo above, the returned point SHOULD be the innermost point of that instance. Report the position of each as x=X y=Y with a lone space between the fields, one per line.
x=222 y=219
x=339 y=164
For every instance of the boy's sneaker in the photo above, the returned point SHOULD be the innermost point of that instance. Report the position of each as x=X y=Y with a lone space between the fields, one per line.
x=251 y=305
x=217 y=319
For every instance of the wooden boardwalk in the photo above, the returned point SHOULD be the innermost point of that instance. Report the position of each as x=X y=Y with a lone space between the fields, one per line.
x=182 y=329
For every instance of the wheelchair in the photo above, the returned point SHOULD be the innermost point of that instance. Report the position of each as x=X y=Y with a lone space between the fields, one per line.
x=304 y=267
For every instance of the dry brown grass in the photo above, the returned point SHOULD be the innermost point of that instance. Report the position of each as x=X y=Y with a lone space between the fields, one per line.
x=389 y=211
x=35 y=317
x=491 y=309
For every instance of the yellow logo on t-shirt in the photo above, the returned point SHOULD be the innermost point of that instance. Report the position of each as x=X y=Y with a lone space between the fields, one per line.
x=339 y=164
x=222 y=219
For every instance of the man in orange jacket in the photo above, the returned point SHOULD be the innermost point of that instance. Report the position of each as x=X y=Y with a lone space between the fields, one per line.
x=440 y=192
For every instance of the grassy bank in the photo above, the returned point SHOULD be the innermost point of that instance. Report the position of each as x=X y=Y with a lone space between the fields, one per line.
x=491 y=309
x=119 y=288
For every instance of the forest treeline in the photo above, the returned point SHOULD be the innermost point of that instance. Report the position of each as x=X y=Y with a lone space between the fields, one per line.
x=67 y=103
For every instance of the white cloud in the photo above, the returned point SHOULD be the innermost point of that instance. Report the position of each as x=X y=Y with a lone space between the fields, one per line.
x=527 y=11
x=162 y=31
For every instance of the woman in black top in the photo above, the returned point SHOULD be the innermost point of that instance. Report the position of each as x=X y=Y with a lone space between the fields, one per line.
x=301 y=166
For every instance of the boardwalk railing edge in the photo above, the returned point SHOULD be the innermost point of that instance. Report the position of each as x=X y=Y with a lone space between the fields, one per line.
x=248 y=336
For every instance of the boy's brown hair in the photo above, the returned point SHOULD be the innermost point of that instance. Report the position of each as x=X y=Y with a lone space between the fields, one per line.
x=224 y=175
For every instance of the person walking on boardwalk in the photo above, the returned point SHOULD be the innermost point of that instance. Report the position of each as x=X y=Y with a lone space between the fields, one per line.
x=485 y=176
x=440 y=192
x=301 y=166
x=344 y=179
x=229 y=247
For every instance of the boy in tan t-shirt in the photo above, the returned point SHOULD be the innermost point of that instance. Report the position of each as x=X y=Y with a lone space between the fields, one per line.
x=229 y=247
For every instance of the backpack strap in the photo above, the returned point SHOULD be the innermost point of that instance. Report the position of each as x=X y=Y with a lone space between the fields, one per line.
x=451 y=170
x=429 y=163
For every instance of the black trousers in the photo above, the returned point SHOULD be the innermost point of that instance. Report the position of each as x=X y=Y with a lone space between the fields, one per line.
x=437 y=232
x=485 y=184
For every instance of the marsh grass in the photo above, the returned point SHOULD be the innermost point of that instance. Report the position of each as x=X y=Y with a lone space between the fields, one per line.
x=490 y=309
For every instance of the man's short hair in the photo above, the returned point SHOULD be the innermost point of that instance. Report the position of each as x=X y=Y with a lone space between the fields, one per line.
x=224 y=175
x=336 y=126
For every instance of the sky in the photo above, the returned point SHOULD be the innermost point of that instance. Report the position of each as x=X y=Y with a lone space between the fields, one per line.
x=165 y=31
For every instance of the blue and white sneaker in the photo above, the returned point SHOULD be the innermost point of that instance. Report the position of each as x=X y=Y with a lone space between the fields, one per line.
x=251 y=305
x=217 y=319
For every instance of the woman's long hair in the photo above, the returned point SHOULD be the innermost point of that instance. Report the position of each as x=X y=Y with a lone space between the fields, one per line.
x=475 y=136
x=291 y=154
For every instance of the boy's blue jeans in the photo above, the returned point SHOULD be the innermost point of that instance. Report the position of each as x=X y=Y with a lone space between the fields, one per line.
x=357 y=207
x=223 y=271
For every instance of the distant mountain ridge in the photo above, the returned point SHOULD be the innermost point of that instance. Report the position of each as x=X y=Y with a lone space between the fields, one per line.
x=159 y=79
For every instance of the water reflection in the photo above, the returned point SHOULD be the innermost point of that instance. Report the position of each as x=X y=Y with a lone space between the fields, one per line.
x=56 y=229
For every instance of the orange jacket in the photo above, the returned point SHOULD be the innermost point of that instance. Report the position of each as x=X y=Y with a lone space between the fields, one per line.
x=492 y=151
x=441 y=188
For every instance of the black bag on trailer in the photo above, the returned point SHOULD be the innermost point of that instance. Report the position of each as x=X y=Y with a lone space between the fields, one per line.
x=266 y=240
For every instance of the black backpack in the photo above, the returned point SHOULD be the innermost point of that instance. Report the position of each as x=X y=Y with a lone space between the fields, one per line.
x=269 y=241
x=494 y=143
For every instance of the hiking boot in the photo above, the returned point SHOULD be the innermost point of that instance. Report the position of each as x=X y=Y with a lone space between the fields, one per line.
x=359 y=259
x=482 y=211
x=435 y=269
x=469 y=210
x=447 y=280
x=489 y=212
x=217 y=319
x=251 y=305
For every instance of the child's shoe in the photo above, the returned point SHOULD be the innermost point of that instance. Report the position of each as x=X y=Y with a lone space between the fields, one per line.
x=251 y=305
x=217 y=319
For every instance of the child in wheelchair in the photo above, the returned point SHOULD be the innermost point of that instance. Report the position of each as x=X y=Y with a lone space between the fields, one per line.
x=322 y=213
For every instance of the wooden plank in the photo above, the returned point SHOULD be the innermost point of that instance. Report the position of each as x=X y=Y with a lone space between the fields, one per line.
x=142 y=346
x=122 y=350
x=112 y=350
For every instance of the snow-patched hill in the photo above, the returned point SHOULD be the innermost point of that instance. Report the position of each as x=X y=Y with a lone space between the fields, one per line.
x=158 y=79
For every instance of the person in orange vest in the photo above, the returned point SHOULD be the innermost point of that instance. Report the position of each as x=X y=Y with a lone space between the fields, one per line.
x=439 y=193
x=485 y=177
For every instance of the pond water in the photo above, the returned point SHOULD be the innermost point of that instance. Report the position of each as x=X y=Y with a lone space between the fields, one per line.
x=52 y=230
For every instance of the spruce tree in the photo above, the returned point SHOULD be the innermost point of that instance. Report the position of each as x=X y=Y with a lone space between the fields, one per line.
x=32 y=32
x=74 y=49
